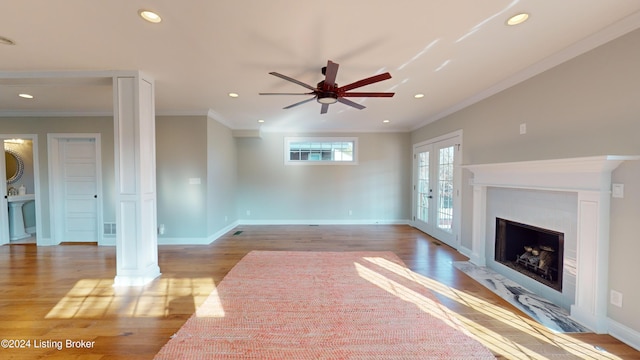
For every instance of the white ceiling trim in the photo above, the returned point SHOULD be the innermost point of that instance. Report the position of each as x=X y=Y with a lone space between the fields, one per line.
x=610 y=33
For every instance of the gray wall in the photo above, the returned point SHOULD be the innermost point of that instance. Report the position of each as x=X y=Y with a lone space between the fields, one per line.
x=186 y=147
x=190 y=148
x=46 y=125
x=376 y=189
x=181 y=154
x=222 y=177
x=587 y=106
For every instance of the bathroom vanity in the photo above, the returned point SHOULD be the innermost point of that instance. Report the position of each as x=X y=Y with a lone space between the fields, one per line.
x=16 y=219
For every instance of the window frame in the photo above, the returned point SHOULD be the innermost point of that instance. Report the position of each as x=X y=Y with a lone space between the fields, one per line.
x=331 y=139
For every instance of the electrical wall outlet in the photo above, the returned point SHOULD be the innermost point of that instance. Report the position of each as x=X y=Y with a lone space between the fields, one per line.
x=523 y=128
x=615 y=298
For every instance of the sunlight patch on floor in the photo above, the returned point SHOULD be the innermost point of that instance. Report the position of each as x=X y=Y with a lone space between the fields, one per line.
x=98 y=298
x=492 y=340
x=212 y=306
x=496 y=342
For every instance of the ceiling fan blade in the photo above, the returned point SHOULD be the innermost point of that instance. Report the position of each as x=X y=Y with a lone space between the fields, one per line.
x=368 y=94
x=285 y=93
x=330 y=74
x=285 y=77
x=324 y=108
x=299 y=103
x=363 y=82
x=351 y=103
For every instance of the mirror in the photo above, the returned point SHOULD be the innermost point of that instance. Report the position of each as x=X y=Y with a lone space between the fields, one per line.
x=14 y=166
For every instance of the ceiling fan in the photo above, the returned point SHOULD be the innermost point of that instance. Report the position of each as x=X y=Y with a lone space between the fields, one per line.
x=328 y=92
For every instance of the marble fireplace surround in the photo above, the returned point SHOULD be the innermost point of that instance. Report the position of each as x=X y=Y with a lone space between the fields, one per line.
x=590 y=179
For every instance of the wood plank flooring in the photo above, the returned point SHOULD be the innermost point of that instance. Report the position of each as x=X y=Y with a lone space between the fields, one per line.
x=49 y=295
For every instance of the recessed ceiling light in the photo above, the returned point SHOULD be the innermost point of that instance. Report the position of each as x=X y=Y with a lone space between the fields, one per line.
x=26 y=96
x=418 y=96
x=517 y=19
x=6 y=41
x=261 y=121
x=233 y=95
x=150 y=16
x=386 y=121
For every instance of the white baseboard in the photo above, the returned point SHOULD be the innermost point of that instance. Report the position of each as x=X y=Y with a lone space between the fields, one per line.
x=322 y=222
x=42 y=241
x=222 y=231
x=107 y=241
x=197 y=240
x=474 y=258
x=625 y=334
x=465 y=251
x=111 y=241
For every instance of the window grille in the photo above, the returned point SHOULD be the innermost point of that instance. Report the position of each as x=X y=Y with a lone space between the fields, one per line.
x=313 y=151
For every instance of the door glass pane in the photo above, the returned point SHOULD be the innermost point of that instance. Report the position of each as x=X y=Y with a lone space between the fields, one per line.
x=445 y=189
x=423 y=187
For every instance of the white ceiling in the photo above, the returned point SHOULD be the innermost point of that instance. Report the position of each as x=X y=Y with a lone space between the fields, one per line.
x=455 y=52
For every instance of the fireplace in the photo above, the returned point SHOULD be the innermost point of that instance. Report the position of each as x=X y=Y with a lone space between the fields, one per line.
x=586 y=251
x=535 y=252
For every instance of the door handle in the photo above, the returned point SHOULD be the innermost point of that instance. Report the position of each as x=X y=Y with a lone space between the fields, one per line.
x=95 y=196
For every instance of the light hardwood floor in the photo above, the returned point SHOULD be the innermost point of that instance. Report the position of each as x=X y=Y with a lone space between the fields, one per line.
x=59 y=293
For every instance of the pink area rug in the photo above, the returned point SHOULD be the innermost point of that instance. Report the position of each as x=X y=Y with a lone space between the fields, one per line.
x=321 y=305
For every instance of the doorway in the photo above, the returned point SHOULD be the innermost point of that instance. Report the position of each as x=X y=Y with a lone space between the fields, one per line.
x=436 y=187
x=20 y=217
x=76 y=187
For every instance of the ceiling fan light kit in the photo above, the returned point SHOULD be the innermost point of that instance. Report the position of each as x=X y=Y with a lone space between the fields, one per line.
x=328 y=92
x=327 y=98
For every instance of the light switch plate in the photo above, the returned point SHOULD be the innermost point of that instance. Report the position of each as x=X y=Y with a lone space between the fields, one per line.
x=617 y=190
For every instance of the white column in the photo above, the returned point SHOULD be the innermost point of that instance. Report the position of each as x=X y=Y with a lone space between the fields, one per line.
x=479 y=230
x=590 y=306
x=135 y=170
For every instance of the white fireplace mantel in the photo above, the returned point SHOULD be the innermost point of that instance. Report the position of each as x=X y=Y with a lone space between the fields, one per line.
x=573 y=174
x=590 y=178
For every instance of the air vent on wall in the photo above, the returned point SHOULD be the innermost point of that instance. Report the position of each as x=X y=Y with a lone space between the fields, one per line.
x=110 y=229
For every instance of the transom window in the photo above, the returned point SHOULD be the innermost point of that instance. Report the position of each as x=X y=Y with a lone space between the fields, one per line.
x=313 y=151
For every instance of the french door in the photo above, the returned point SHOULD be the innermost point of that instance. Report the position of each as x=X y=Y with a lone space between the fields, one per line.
x=436 y=195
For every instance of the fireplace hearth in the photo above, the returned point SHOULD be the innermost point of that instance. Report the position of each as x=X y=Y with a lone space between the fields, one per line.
x=530 y=250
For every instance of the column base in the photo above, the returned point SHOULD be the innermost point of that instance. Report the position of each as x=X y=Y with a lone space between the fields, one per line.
x=137 y=279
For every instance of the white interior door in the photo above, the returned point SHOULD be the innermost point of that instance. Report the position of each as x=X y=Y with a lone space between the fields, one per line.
x=436 y=189
x=76 y=188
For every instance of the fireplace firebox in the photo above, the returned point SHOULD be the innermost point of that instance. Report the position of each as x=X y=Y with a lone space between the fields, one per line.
x=535 y=252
